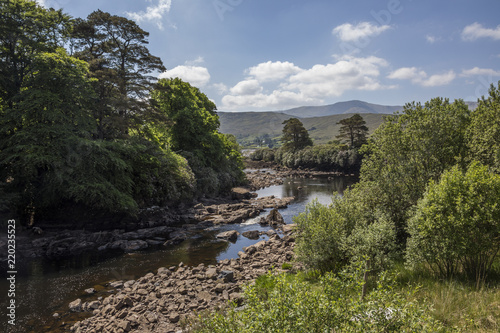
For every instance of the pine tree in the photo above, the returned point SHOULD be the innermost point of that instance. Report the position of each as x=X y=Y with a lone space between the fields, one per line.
x=353 y=130
x=295 y=136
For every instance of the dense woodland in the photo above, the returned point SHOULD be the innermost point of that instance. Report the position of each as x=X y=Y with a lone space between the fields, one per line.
x=86 y=126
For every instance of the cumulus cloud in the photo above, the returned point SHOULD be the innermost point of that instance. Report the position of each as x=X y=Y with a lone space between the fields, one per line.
x=271 y=71
x=476 y=71
x=304 y=86
x=352 y=33
x=246 y=87
x=197 y=76
x=152 y=13
x=420 y=77
x=349 y=73
x=476 y=30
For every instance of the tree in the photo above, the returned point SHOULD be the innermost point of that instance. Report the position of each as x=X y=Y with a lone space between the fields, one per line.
x=193 y=133
x=295 y=136
x=411 y=148
x=353 y=130
x=484 y=132
x=115 y=48
x=43 y=127
x=456 y=226
x=26 y=29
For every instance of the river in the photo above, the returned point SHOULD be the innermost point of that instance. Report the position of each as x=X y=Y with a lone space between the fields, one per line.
x=46 y=287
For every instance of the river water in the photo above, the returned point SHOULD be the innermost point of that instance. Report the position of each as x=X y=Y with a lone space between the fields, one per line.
x=46 y=287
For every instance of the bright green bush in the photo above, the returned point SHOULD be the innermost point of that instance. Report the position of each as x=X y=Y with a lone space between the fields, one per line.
x=349 y=229
x=333 y=306
x=456 y=226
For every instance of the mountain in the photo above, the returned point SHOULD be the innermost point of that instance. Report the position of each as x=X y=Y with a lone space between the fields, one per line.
x=341 y=108
x=320 y=121
x=247 y=126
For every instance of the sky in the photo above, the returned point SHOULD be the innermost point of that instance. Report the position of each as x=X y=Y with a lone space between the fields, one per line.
x=267 y=55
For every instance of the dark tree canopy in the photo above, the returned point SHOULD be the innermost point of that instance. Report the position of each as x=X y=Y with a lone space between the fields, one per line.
x=26 y=29
x=295 y=136
x=353 y=131
x=115 y=48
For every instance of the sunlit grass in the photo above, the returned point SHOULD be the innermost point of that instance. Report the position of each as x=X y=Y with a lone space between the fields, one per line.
x=469 y=306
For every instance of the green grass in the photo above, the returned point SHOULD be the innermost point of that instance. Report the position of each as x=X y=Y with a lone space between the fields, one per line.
x=457 y=302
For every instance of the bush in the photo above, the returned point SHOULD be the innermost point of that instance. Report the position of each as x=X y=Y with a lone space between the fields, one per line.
x=349 y=229
x=330 y=157
x=456 y=226
x=335 y=306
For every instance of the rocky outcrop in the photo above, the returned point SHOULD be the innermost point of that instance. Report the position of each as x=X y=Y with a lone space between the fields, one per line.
x=158 y=302
x=274 y=218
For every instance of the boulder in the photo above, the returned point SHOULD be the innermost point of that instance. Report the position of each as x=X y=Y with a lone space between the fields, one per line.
x=252 y=234
x=231 y=235
x=76 y=305
x=274 y=218
x=240 y=193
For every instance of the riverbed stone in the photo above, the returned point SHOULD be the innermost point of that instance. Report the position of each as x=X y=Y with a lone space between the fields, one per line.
x=252 y=234
x=230 y=235
x=76 y=305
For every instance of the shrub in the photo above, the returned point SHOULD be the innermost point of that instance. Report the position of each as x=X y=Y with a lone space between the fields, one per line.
x=349 y=229
x=334 y=306
x=456 y=226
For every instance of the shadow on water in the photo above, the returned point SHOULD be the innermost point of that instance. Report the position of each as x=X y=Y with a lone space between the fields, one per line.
x=45 y=287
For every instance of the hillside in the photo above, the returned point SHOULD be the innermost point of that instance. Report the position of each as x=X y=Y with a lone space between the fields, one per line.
x=247 y=126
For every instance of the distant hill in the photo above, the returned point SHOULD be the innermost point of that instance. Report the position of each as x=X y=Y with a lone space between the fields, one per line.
x=247 y=126
x=341 y=108
x=320 y=121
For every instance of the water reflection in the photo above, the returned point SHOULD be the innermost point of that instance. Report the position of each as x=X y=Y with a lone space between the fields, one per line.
x=46 y=287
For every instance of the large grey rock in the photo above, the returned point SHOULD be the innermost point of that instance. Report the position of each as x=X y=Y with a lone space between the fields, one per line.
x=231 y=235
x=252 y=234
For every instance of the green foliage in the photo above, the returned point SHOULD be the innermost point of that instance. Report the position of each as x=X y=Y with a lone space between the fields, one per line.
x=214 y=158
x=411 y=148
x=336 y=306
x=353 y=130
x=295 y=137
x=456 y=226
x=484 y=132
x=329 y=237
x=265 y=154
x=26 y=29
x=329 y=157
x=48 y=119
x=115 y=48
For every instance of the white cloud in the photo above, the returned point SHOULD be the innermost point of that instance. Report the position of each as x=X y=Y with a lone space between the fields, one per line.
x=196 y=61
x=439 y=79
x=476 y=30
x=152 y=13
x=420 y=77
x=432 y=39
x=407 y=73
x=220 y=87
x=476 y=71
x=350 y=33
x=349 y=73
x=246 y=87
x=305 y=86
x=272 y=71
x=197 y=76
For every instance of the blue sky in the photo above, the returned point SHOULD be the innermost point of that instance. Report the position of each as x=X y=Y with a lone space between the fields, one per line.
x=253 y=55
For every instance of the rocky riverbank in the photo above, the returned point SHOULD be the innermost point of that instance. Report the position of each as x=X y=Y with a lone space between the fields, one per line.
x=159 y=302
x=158 y=227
